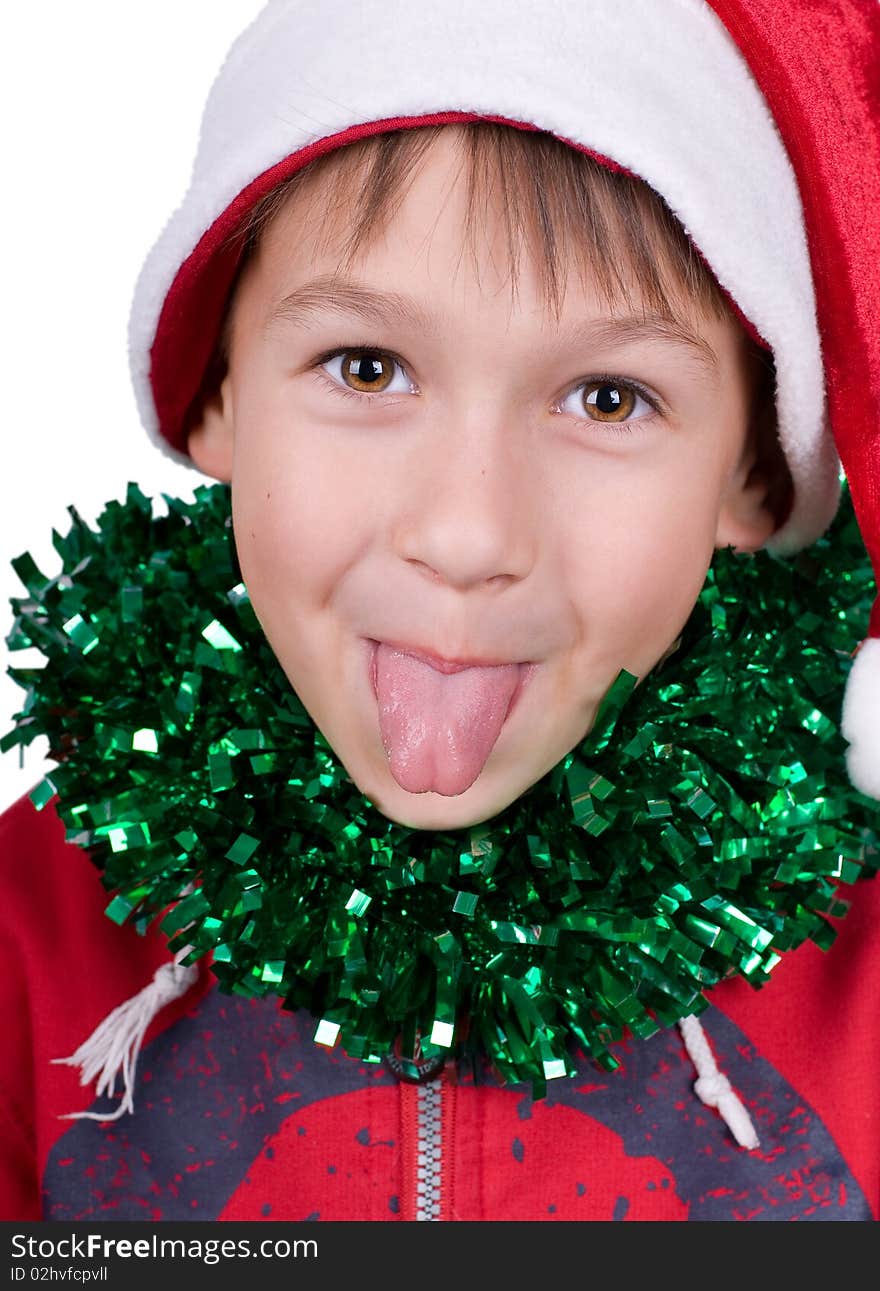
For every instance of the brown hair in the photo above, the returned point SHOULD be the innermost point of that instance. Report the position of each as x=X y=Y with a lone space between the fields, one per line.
x=565 y=206
x=560 y=203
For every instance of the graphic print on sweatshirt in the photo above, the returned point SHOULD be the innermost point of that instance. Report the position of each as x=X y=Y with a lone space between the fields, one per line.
x=239 y=1115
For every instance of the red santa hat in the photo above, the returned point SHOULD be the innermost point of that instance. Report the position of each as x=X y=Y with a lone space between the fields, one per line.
x=757 y=120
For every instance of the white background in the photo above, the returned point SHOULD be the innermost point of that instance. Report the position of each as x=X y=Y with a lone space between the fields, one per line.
x=100 y=102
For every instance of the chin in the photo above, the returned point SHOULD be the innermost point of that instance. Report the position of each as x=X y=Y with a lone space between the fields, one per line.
x=484 y=799
x=433 y=811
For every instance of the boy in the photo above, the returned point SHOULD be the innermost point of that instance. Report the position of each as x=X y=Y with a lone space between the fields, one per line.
x=486 y=411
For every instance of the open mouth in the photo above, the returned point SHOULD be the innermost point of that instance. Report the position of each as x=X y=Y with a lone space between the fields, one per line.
x=440 y=719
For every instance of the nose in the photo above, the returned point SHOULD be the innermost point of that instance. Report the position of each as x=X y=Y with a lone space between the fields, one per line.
x=471 y=503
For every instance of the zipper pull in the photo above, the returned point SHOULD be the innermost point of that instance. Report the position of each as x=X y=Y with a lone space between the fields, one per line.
x=415 y=1070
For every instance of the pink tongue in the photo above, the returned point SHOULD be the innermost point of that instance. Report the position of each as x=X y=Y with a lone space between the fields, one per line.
x=438 y=729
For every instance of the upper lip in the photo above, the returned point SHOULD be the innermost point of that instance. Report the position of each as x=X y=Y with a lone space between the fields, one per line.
x=443 y=664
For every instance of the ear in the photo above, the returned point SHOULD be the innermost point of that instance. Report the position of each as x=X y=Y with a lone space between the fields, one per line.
x=745 y=520
x=212 y=437
x=758 y=495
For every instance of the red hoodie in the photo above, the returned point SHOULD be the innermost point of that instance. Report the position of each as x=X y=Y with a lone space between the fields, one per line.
x=240 y=1115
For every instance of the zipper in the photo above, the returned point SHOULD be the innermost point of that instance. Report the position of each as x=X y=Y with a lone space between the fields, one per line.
x=427 y=1121
x=429 y=1150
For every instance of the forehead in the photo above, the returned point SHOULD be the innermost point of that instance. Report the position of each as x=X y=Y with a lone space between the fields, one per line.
x=434 y=242
x=429 y=211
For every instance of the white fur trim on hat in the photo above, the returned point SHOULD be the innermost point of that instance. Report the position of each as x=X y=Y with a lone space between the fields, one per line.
x=660 y=88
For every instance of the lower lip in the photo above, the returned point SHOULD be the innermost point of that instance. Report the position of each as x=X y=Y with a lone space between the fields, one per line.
x=526 y=672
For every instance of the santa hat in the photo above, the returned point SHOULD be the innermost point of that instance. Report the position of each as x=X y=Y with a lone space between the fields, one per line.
x=758 y=121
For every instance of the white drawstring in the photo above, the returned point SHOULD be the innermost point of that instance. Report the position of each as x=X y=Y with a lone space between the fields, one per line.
x=713 y=1088
x=114 y=1045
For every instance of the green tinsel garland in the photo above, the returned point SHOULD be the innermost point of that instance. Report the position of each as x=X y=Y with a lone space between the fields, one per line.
x=699 y=831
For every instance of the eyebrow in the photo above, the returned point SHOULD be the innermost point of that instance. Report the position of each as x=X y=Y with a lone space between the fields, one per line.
x=328 y=294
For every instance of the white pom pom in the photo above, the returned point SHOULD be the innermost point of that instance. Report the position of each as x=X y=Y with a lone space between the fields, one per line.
x=860 y=724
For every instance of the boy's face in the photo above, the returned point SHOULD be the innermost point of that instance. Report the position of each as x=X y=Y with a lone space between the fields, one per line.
x=505 y=495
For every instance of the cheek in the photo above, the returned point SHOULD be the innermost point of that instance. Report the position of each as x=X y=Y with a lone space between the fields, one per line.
x=640 y=564
x=297 y=514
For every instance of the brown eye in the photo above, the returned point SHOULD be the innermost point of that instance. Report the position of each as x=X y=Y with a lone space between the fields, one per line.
x=608 y=400
x=367 y=373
